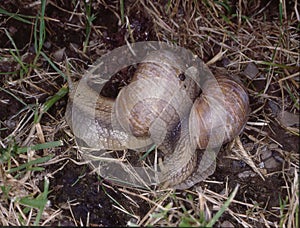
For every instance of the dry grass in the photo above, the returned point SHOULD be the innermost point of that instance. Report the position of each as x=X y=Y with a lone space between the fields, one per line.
x=235 y=35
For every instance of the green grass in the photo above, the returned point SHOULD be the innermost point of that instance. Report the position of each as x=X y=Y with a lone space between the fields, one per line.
x=17 y=16
x=41 y=146
x=122 y=11
x=17 y=56
x=283 y=204
x=51 y=101
x=39 y=32
x=12 y=151
x=191 y=220
x=280 y=12
x=89 y=23
x=163 y=213
x=38 y=202
x=223 y=208
x=225 y=5
x=147 y=152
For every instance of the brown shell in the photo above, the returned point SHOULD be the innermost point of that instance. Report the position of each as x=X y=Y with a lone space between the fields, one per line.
x=220 y=113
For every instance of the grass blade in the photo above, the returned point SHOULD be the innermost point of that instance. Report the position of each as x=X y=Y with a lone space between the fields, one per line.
x=147 y=152
x=122 y=11
x=223 y=208
x=39 y=202
x=30 y=163
x=53 y=65
x=18 y=17
x=40 y=146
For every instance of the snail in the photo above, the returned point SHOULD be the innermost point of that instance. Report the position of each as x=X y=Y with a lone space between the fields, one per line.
x=164 y=105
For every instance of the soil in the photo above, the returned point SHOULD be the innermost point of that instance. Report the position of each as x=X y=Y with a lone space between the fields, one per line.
x=87 y=195
x=75 y=186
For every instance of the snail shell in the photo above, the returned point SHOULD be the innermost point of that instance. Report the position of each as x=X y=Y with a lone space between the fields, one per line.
x=162 y=105
x=156 y=101
x=217 y=116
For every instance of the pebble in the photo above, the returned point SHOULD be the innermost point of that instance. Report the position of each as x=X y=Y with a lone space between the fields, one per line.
x=246 y=174
x=251 y=70
x=272 y=163
x=226 y=223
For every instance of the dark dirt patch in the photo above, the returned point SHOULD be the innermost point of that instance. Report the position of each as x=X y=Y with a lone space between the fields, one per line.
x=87 y=194
x=6 y=111
x=258 y=190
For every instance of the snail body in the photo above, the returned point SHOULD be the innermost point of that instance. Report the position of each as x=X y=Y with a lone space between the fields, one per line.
x=164 y=106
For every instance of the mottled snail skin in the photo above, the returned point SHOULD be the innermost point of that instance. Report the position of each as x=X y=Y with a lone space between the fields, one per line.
x=162 y=105
x=92 y=123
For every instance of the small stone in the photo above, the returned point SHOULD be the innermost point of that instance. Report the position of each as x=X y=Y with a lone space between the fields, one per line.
x=47 y=45
x=251 y=70
x=59 y=54
x=226 y=223
x=12 y=30
x=261 y=165
x=288 y=119
x=272 y=163
x=246 y=174
x=273 y=107
x=10 y=124
x=238 y=164
x=266 y=154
